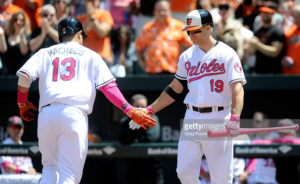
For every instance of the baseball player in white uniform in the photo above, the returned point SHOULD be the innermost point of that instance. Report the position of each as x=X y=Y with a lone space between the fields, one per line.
x=15 y=164
x=239 y=164
x=69 y=76
x=212 y=72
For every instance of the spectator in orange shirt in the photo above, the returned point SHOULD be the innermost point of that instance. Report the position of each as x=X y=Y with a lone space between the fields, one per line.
x=33 y=8
x=291 y=63
x=163 y=38
x=97 y=24
x=7 y=9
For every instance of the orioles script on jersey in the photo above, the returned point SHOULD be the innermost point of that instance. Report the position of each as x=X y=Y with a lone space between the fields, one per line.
x=213 y=68
x=66 y=50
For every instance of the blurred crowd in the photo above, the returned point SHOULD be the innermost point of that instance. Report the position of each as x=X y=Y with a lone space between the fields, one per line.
x=144 y=36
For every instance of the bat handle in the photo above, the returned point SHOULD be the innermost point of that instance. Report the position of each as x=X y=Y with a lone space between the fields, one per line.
x=218 y=133
x=296 y=126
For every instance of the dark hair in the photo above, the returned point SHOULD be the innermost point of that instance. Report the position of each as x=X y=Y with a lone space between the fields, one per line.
x=116 y=40
x=264 y=115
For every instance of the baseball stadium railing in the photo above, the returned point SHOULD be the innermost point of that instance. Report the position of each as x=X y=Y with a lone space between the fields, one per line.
x=157 y=150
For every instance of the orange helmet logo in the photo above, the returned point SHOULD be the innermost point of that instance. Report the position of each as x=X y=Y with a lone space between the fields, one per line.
x=189 y=21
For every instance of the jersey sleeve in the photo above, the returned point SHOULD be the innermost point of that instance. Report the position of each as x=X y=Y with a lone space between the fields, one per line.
x=102 y=74
x=181 y=73
x=235 y=70
x=32 y=68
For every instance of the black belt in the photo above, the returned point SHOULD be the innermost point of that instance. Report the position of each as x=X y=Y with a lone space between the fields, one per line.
x=49 y=105
x=204 y=109
x=46 y=106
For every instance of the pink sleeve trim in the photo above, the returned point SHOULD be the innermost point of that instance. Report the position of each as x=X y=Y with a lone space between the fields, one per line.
x=114 y=95
x=251 y=165
x=5 y=165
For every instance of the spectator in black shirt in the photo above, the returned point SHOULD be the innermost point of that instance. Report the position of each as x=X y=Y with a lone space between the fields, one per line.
x=141 y=171
x=14 y=50
x=46 y=35
x=268 y=42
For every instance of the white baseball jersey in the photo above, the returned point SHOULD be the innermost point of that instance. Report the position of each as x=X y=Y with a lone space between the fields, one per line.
x=209 y=75
x=69 y=74
x=24 y=163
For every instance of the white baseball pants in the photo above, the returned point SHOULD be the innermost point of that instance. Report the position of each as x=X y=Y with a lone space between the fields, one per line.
x=63 y=142
x=218 y=152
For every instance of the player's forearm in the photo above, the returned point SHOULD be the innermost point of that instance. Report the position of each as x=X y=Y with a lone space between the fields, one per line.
x=237 y=98
x=163 y=101
x=271 y=51
x=36 y=42
x=53 y=34
x=114 y=95
x=168 y=97
x=23 y=89
x=10 y=168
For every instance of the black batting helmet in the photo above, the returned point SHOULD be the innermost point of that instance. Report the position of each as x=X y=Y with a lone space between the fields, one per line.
x=197 y=19
x=69 y=26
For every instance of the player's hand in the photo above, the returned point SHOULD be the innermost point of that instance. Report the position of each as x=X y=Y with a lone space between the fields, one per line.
x=233 y=126
x=141 y=117
x=24 y=111
x=148 y=110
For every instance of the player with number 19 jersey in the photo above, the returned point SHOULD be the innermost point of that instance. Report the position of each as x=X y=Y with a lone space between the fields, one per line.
x=69 y=74
x=209 y=75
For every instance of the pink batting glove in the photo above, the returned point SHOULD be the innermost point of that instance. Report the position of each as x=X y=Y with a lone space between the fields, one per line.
x=233 y=126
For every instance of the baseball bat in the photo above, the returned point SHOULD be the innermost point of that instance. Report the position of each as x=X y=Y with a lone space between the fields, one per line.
x=242 y=131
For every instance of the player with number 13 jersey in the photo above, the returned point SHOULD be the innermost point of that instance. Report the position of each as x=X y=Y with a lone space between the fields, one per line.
x=64 y=70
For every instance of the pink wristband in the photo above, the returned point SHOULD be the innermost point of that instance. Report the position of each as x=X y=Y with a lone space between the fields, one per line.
x=18 y=170
x=149 y=108
x=22 y=97
x=234 y=118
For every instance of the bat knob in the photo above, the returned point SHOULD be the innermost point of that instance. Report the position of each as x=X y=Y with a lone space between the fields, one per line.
x=209 y=134
x=296 y=127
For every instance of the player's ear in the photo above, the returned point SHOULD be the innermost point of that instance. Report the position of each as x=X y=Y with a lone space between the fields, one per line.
x=79 y=33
